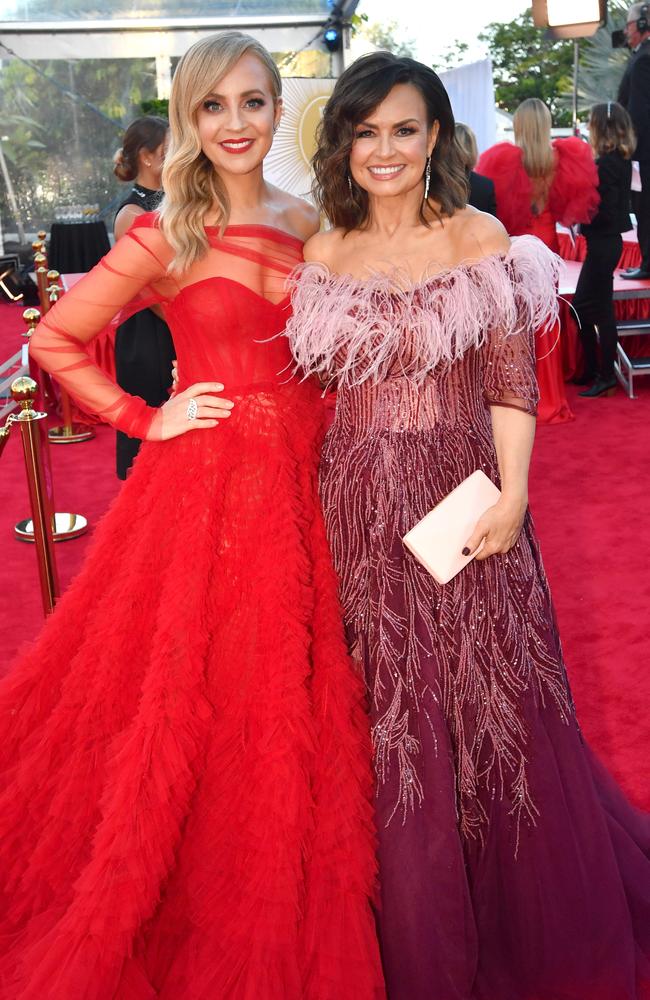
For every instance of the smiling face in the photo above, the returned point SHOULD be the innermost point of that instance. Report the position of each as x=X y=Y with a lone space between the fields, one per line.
x=235 y=120
x=390 y=149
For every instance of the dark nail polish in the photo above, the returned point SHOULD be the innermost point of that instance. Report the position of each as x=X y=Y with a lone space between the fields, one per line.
x=465 y=551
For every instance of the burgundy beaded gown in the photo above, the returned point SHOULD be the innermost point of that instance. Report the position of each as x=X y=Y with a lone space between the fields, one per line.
x=511 y=866
x=185 y=809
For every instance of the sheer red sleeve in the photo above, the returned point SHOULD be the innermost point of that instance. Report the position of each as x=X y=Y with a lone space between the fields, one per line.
x=59 y=342
x=574 y=192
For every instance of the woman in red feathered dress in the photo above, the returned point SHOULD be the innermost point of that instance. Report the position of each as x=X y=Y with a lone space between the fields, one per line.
x=185 y=798
x=538 y=183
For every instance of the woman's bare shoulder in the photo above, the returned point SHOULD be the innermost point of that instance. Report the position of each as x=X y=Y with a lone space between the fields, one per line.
x=323 y=248
x=125 y=218
x=298 y=216
x=479 y=234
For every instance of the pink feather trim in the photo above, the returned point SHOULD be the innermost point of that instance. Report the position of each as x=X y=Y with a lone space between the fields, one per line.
x=365 y=329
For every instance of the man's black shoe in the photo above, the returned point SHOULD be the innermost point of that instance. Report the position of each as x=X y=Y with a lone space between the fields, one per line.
x=635 y=274
x=602 y=387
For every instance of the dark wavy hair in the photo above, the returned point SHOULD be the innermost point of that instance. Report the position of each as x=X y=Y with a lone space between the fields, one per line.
x=147 y=132
x=610 y=128
x=357 y=93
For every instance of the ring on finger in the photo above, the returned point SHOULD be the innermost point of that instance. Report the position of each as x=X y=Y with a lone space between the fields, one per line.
x=192 y=409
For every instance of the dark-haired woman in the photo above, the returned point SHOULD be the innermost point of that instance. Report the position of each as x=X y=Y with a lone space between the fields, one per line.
x=511 y=868
x=144 y=349
x=612 y=139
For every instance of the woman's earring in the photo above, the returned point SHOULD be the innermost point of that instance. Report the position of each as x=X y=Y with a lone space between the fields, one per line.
x=427 y=178
x=276 y=127
x=350 y=183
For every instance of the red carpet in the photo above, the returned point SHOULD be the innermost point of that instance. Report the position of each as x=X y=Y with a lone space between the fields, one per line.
x=590 y=485
x=589 y=494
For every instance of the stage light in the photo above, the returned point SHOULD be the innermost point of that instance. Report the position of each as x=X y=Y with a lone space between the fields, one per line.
x=333 y=38
x=570 y=18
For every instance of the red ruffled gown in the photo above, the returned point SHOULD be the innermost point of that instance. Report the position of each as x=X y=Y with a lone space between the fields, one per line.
x=572 y=198
x=186 y=780
x=511 y=866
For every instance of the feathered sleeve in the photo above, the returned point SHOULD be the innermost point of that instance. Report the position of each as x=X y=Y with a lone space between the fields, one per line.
x=366 y=330
x=514 y=193
x=573 y=196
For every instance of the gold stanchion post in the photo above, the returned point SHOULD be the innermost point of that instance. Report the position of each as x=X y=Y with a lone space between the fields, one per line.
x=64 y=526
x=40 y=267
x=68 y=432
x=31 y=318
x=4 y=434
x=39 y=482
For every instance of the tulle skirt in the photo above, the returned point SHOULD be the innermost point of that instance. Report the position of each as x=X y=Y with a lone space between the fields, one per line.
x=185 y=807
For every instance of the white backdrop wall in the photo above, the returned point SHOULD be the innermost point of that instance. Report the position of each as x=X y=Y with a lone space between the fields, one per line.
x=471 y=92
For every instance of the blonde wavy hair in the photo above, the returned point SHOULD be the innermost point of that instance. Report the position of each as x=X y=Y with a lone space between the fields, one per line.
x=532 y=123
x=192 y=185
x=466 y=141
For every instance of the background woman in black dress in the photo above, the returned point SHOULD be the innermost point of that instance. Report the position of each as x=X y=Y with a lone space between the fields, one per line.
x=612 y=139
x=144 y=350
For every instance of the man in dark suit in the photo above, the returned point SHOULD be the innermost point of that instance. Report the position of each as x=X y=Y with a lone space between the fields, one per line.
x=634 y=94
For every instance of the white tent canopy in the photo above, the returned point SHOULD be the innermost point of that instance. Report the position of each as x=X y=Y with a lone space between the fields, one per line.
x=146 y=37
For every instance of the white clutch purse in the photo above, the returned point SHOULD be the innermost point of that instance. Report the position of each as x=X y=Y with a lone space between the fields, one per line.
x=437 y=541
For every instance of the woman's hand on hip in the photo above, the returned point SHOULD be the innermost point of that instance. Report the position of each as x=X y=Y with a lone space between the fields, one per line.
x=499 y=528
x=195 y=409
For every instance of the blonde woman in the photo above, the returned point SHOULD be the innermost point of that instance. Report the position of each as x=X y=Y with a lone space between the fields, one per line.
x=186 y=781
x=538 y=183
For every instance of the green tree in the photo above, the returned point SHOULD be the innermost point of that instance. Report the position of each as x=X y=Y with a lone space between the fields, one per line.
x=59 y=149
x=527 y=63
x=454 y=55
x=158 y=106
x=384 y=36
